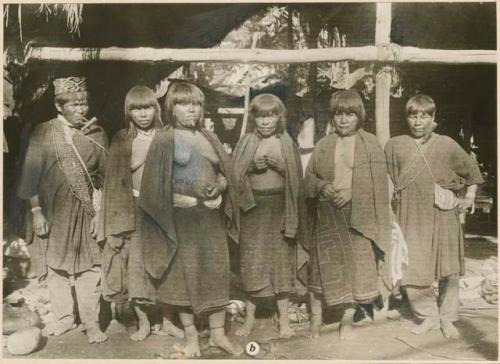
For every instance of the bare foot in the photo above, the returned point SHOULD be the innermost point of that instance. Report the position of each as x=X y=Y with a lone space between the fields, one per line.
x=142 y=333
x=172 y=330
x=346 y=331
x=425 y=326
x=95 y=335
x=191 y=349
x=222 y=342
x=449 y=330
x=114 y=327
x=286 y=331
x=246 y=328
x=315 y=325
x=59 y=327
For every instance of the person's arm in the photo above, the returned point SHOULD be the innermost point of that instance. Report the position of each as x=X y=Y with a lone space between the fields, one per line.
x=218 y=188
x=99 y=182
x=466 y=167
x=275 y=163
x=467 y=203
x=313 y=184
x=39 y=222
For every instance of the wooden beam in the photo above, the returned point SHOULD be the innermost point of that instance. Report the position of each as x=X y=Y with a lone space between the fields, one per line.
x=383 y=77
x=386 y=53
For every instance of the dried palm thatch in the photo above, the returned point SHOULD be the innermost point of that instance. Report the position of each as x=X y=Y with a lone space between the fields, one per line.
x=72 y=12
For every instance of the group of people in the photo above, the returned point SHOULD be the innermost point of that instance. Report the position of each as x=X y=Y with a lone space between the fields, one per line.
x=149 y=219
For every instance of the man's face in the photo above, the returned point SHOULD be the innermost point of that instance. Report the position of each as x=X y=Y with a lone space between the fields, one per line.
x=345 y=123
x=420 y=124
x=74 y=110
x=187 y=115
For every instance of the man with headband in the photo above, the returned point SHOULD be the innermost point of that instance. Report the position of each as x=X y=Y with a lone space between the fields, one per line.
x=61 y=179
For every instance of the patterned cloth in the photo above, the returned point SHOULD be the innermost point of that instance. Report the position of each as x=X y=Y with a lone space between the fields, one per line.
x=69 y=85
x=267 y=258
x=364 y=229
x=73 y=169
x=343 y=265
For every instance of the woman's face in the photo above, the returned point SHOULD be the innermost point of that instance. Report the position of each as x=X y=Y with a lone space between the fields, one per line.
x=420 y=124
x=229 y=123
x=266 y=125
x=142 y=116
x=187 y=115
x=345 y=123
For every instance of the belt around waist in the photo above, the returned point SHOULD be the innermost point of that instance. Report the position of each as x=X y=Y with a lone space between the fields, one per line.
x=269 y=191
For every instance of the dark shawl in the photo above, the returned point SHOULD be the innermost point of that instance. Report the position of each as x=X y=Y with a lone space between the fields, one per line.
x=117 y=206
x=156 y=199
x=42 y=176
x=294 y=226
x=117 y=212
x=370 y=214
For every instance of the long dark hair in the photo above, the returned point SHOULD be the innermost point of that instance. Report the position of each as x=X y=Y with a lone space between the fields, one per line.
x=181 y=92
x=267 y=105
x=347 y=101
x=141 y=96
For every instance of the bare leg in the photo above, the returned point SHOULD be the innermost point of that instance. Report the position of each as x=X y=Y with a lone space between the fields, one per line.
x=167 y=326
x=116 y=325
x=191 y=348
x=423 y=303
x=285 y=331
x=316 y=315
x=59 y=288
x=346 y=330
x=249 y=319
x=87 y=296
x=144 y=326
x=218 y=337
x=448 y=306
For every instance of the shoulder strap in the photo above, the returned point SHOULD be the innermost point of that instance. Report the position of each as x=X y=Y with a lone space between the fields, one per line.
x=425 y=160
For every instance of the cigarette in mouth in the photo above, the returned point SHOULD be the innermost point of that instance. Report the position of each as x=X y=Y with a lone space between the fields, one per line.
x=89 y=123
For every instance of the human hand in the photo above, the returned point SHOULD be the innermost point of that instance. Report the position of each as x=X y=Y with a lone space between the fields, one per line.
x=116 y=242
x=328 y=192
x=201 y=189
x=342 y=197
x=93 y=225
x=40 y=224
x=258 y=164
x=277 y=164
x=215 y=190
x=465 y=204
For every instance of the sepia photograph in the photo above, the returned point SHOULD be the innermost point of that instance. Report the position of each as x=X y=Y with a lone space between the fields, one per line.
x=250 y=180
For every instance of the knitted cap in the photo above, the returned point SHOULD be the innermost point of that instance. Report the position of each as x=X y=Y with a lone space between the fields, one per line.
x=70 y=84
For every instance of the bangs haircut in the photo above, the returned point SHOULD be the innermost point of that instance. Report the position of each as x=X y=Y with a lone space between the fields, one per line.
x=421 y=103
x=141 y=97
x=267 y=105
x=347 y=101
x=181 y=92
x=62 y=99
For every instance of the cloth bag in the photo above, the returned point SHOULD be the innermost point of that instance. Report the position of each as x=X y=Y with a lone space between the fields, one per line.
x=444 y=199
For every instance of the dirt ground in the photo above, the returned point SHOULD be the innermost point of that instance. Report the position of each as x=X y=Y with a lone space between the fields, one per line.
x=381 y=340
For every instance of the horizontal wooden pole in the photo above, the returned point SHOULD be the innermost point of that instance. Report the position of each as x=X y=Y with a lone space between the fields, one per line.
x=389 y=53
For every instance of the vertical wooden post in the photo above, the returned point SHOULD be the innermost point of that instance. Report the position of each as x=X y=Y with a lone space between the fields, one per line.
x=255 y=38
x=383 y=78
